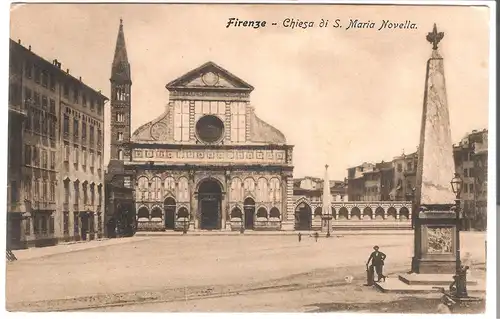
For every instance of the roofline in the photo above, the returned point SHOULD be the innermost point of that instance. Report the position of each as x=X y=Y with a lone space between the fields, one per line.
x=171 y=84
x=58 y=70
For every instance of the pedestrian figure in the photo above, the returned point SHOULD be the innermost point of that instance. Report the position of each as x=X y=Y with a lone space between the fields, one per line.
x=316 y=235
x=300 y=237
x=377 y=259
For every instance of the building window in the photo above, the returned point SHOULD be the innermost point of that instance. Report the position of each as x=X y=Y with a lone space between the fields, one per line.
x=66 y=192
x=45 y=190
x=76 y=95
x=120 y=154
x=45 y=78
x=27 y=154
x=99 y=194
x=466 y=188
x=99 y=223
x=52 y=192
x=45 y=102
x=85 y=195
x=92 y=159
x=67 y=153
x=466 y=172
x=28 y=70
x=44 y=159
x=37 y=74
x=181 y=121
x=52 y=81
x=120 y=136
x=84 y=100
x=84 y=157
x=99 y=109
x=91 y=135
x=238 y=123
x=52 y=108
x=471 y=188
x=84 y=130
x=75 y=127
x=66 y=90
x=120 y=117
x=92 y=195
x=66 y=125
x=77 y=193
x=27 y=97
x=99 y=137
x=36 y=99
x=99 y=162
x=76 y=155
x=400 y=168
x=36 y=156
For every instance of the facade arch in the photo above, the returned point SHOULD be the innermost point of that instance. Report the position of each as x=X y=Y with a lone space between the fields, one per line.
x=391 y=213
x=274 y=213
x=262 y=212
x=355 y=213
x=262 y=190
x=183 y=212
x=143 y=214
x=404 y=213
x=379 y=213
x=236 y=213
x=236 y=192
x=343 y=213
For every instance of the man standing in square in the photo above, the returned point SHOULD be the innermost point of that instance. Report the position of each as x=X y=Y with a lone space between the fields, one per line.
x=377 y=258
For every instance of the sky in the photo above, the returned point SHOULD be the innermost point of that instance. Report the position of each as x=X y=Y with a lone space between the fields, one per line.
x=342 y=97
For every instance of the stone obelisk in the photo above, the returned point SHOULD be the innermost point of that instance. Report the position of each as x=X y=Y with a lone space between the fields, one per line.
x=435 y=220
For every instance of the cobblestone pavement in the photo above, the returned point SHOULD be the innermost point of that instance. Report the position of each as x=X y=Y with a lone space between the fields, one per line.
x=180 y=273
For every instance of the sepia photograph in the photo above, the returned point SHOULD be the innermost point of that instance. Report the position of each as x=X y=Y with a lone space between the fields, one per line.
x=249 y=158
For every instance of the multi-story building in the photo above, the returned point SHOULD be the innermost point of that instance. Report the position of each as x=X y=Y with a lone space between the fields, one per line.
x=208 y=162
x=471 y=161
x=356 y=181
x=60 y=179
x=405 y=172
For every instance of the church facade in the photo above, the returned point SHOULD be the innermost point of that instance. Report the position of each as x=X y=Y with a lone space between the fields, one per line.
x=208 y=161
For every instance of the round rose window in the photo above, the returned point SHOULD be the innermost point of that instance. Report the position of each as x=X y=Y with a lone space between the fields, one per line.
x=209 y=129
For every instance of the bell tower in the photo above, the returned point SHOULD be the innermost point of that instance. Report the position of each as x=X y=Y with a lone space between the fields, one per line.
x=121 y=82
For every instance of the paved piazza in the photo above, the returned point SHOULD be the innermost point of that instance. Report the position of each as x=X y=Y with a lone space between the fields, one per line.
x=238 y=273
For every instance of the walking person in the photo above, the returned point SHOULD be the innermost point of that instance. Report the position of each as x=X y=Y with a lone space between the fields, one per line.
x=316 y=235
x=377 y=259
x=300 y=237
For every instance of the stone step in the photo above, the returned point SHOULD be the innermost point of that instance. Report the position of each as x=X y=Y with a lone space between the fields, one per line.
x=432 y=279
x=394 y=285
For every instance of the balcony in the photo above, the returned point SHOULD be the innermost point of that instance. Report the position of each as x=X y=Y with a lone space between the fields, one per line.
x=18 y=109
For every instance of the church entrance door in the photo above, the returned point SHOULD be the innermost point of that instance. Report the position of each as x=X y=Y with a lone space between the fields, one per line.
x=249 y=207
x=210 y=196
x=169 y=208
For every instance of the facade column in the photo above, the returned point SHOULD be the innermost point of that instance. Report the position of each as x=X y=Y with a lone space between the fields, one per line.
x=288 y=223
x=193 y=221
x=225 y=205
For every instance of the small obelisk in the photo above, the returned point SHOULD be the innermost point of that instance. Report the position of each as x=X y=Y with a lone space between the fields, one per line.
x=434 y=196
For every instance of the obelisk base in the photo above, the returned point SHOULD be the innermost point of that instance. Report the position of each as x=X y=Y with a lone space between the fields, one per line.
x=435 y=240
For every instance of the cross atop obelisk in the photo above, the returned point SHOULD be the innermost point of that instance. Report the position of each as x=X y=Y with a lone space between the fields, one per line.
x=435 y=37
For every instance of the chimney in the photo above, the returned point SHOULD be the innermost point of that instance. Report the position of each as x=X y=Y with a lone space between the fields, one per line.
x=29 y=47
x=67 y=71
x=80 y=78
x=19 y=41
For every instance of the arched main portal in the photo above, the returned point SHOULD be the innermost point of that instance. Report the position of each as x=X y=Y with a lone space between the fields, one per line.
x=249 y=208
x=209 y=197
x=303 y=217
x=169 y=208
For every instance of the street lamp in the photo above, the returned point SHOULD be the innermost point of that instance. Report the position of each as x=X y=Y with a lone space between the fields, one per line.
x=460 y=273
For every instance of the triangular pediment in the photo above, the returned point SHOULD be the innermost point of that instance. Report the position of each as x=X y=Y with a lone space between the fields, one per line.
x=209 y=76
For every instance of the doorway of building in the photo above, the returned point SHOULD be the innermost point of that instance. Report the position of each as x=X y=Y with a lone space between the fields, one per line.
x=169 y=208
x=210 y=196
x=303 y=218
x=249 y=207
